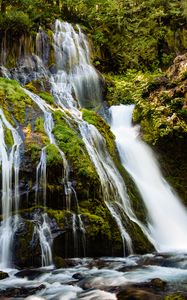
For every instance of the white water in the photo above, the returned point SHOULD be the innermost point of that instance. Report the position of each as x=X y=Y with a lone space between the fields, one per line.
x=167 y=216
x=42 y=229
x=75 y=72
x=41 y=176
x=10 y=162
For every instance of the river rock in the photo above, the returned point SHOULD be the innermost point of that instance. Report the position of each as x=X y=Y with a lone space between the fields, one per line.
x=137 y=294
x=3 y=275
x=30 y=274
x=21 y=292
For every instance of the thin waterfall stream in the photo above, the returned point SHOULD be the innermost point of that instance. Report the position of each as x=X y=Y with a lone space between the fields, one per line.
x=167 y=217
x=10 y=162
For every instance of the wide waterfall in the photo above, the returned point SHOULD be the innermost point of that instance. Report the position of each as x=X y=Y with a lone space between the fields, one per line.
x=167 y=216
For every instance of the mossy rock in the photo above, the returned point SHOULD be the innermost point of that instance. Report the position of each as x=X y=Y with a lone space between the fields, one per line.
x=13 y=100
x=42 y=88
x=69 y=141
x=27 y=255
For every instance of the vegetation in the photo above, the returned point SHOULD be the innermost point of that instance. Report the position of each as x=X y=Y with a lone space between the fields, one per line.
x=126 y=34
x=74 y=149
x=93 y=118
x=13 y=100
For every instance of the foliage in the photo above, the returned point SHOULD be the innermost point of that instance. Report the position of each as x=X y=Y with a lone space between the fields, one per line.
x=16 y=23
x=127 y=88
x=126 y=34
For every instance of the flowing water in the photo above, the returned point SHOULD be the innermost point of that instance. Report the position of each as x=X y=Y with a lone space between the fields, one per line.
x=167 y=216
x=10 y=162
x=43 y=231
x=73 y=64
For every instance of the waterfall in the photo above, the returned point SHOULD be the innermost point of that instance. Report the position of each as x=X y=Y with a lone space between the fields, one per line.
x=41 y=176
x=167 y=216
x=74 y=84
x=83 y=232
x=75 y=73
x=10 y=162
x=43 y=231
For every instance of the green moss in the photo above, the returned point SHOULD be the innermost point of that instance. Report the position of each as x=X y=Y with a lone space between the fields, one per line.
x=34 y=151
x=39 y=125
x=8 y=137
x=53 y=156
x=47 y=97
x=136 y=201
x=59 y=216
x=96 y=225
x=13 y=100
x=94 y=119
x=69 y=141
x=42 y=89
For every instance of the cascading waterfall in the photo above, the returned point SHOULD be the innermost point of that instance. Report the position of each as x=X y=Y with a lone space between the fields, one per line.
x=113 y=187
x=75 y=84
x=75 y=74
x=167 y=216
x=10 y=162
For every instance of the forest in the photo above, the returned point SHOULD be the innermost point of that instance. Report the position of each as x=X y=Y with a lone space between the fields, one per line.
x=141 y=35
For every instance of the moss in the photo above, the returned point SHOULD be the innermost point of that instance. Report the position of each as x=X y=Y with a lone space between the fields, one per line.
x=96 y=225
x=59 y=216
x=13 y=100
x=8 y=137
x=34 y=151
x=47 y=97
x=136 y=201
x=39 y=125
x=59 y=262
x=41 y=88
x=23 y=246
x=69 y=141
x=39 y=130
x=94 y=119
x=53 y=156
